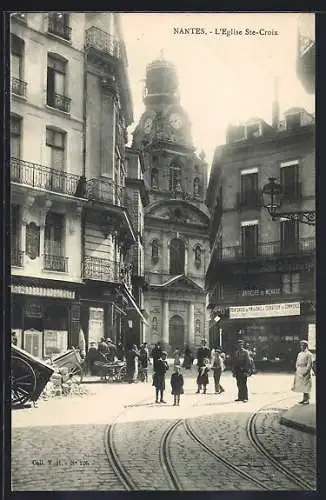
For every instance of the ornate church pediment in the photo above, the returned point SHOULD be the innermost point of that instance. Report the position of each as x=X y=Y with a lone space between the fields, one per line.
x=182 y=213
x=180 y=282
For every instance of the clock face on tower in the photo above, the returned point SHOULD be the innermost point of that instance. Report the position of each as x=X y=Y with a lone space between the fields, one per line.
x=175 y=120
x=148 y=125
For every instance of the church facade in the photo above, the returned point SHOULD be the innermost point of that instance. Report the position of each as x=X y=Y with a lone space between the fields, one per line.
x=176 y=219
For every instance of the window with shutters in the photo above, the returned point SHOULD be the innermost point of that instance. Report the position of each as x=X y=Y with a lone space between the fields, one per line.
x=15 y=227
x=54 y=234
x=291 y=283
x=249 y=240
x=56 y=83
x=17 y=55
x=249 y=189
x=15 y=136
x=290 y=185
x=289 y=236
x=59 y=24
x=55 y=148
x=177 y=256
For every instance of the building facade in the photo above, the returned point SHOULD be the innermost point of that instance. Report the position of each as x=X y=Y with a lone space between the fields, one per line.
x=176 y=218
x=71 y=211
x=261 y=272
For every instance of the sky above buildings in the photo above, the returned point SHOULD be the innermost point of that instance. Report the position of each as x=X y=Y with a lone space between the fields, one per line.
x=222 y=79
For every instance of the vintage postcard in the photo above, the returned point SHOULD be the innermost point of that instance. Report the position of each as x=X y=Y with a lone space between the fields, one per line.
x=162 y=179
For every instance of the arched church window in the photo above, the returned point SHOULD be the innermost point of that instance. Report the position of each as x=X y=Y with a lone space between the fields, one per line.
x=177 y=256
x=196 y=186
x=197 y=255
x=154 y=178
x=155 y=257
x=175 y=177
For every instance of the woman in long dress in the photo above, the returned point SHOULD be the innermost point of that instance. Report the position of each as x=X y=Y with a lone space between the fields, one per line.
x=302 y=378
x=188 y=358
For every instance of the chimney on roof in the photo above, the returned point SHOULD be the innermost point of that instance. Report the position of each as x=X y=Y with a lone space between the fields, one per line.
x=275 y=106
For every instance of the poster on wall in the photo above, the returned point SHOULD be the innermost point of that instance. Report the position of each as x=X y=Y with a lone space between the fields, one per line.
x=95 y=324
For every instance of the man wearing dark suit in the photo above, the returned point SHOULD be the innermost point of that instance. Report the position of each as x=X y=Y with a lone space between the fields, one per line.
x=241 y=369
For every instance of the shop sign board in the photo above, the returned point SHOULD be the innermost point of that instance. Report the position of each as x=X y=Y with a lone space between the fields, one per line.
x=57 y=293
x=265 y=310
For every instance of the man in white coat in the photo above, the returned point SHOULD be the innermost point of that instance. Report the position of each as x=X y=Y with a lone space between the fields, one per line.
x=302 y=379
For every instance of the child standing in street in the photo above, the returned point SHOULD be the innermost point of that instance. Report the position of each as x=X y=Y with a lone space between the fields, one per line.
x=177 y=384
x=202 y=379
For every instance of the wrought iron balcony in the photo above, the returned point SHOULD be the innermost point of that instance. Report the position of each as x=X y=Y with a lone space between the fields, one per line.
x=95 y=268
x=57 y=26
x=105 y=191
x=60 y=102
x=274 y=248
x=18 y=87
x=17 y=258
x=38 y=176
x=102 y=42
x=55 y=263
x=250 y=199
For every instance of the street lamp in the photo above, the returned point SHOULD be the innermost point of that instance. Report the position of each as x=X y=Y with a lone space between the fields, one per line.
x=272 y=197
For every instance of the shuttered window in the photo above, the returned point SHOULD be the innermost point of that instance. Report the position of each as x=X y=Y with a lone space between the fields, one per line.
x=54 y=234
x=15 y=136
x=249 y=240
x=55 y=149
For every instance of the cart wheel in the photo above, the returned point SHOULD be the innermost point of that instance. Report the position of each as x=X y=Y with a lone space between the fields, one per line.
x=121 y=375
x=23 y=381
x=74 y=372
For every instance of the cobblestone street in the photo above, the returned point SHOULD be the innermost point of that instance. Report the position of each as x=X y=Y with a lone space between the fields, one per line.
x=116 y=438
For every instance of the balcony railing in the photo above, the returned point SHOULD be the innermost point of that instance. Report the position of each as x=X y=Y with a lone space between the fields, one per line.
x=250 y=199
x=60 y=102
x=105 y=191
x=103 y=42
x=57 y=26
x=17 y=258
x=175 y=194
x=38 y=176
x=274 y=248
x=18 y=87
x=55 y=263
x=95 y=268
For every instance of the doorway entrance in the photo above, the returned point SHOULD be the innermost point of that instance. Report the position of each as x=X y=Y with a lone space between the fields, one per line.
x=176 y=330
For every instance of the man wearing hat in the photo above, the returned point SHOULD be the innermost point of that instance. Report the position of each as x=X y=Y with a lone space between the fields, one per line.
x=241 y=369
x=302 y=378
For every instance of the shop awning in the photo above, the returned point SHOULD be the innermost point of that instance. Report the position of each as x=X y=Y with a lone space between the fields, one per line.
x=135 y=306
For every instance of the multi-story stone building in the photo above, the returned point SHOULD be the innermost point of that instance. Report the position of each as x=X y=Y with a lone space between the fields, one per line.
x=261 y=272
x=176 y=219
x=72 y=227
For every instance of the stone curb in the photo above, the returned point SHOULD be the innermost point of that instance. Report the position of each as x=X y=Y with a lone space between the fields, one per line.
x=309 y=429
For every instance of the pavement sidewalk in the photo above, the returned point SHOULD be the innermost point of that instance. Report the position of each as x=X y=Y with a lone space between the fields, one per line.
x=301 y=417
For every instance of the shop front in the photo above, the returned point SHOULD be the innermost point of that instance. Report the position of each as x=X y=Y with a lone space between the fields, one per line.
x=44 y=316
x=272 y=331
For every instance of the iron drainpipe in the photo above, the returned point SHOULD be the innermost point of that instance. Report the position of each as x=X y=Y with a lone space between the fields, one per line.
x=83 y=218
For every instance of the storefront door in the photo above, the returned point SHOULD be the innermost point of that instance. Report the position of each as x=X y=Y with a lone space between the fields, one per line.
x=33 y=342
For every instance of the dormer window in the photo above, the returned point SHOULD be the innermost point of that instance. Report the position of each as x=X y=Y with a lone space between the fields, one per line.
x=253 y=130
x=293 y=121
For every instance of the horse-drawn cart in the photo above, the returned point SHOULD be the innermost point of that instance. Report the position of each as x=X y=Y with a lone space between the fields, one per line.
x=29 y=376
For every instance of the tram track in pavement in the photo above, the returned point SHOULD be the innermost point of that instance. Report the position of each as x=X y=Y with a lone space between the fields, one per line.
x=222 y=460
x=261 y=448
